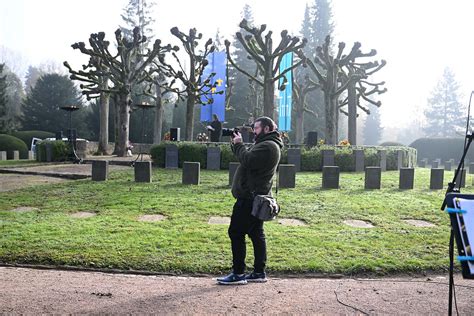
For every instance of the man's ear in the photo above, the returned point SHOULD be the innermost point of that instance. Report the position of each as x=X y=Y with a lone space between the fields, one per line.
x=266 y=129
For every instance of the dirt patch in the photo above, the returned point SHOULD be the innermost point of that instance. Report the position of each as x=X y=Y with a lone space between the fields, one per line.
x=81 y=169
x=10 y=182
x=152 y=218
x=419 y=223
x=358 y=223
x=218 y=220
x=82 y=214
x=23 y=209
x=291 y=222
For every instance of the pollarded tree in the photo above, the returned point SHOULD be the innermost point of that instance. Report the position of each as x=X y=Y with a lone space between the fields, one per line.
x=333 y=80
x=242 y=103
x=444 y=116
x=360 y=88
x=194 y=88
x=267 y=58
x=316 y=25
x=302 y=86
x=121 y=71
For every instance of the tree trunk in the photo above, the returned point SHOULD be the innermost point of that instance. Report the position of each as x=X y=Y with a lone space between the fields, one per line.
x=352 y=119
x=189 y=117
x=300 y=120
x=331 y=119
x=104 y=123
x=124 y=126
x=269 y=100
x=158 y=125
x=116 y=123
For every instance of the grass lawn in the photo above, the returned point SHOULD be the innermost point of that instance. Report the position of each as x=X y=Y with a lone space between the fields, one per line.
x=185 y=243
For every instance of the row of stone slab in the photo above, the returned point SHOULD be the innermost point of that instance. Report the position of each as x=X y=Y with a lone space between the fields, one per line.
x=294 y=158
x=142 y=169
x=191 y=174
x=15 y=155
x=448 y=165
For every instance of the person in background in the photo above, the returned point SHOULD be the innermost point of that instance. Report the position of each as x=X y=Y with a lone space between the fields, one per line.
x=215 y=128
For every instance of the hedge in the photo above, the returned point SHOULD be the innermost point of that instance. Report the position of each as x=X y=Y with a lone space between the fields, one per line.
x=10 y=143
x=27 y=136
x=189 y=151
x=310 y=157
x=60 y=150
x=442 y=148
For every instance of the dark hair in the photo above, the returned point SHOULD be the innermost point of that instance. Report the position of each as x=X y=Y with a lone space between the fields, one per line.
x=215 y=117
x=266 y=121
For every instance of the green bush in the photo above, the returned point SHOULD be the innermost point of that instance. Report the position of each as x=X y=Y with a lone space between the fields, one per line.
x=27 y=136
x=192 y=152
x=227 y=156
x=391 y=144
x=10 y=143
x=442 y=148
x=311 y=158
x=60 y=150
x=157 y=153
x=187 y=151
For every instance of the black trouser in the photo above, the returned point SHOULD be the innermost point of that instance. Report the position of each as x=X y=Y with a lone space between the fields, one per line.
x=243 y=223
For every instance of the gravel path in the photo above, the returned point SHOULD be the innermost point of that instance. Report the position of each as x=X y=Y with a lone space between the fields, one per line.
x=31 y=291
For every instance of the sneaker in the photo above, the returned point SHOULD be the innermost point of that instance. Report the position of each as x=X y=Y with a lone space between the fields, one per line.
x=232 y=279
x=256 y=277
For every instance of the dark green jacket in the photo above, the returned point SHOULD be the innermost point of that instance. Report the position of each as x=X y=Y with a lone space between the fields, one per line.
x=257 y=166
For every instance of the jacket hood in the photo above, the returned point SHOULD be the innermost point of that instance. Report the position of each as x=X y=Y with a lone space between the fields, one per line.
x=273 y=136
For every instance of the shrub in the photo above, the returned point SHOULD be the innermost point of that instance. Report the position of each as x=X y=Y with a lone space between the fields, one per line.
x=311 y=158
x=60 y=150
x=442 y=148
x=27 y=136
x=391 y=144
x=10 y=143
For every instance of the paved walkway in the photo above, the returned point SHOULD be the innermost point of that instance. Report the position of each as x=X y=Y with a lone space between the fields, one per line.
x=29 y=291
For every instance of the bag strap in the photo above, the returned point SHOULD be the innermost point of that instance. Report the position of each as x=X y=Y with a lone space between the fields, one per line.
x=276 y=189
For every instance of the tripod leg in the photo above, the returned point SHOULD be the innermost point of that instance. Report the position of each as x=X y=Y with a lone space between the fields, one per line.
x=451 y=272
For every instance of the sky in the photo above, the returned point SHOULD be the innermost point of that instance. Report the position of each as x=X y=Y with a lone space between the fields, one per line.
x=417 y=38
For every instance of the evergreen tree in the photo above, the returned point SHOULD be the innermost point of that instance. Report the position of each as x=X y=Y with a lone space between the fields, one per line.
x=242 y=100
x=444 y=114
x=316 y=25
x=3 y=99
x=372 y=127
x=42 y=107
x=14 y=95
x=32 y=76
x=138 y=13
x=322 y=25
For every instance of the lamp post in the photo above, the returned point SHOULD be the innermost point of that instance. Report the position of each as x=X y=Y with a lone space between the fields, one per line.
x=144 y=106
x=71 y=135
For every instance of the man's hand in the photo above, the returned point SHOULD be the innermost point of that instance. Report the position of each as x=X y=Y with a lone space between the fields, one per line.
x=237 y=138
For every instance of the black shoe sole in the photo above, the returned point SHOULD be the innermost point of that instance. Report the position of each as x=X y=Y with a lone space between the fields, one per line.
x=257 y=280
x=242 y=282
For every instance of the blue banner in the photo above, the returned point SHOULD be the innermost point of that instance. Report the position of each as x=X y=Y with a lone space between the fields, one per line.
x=284 y=109
x=217 y=64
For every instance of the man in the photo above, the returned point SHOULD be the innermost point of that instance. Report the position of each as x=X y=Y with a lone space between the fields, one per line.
x=252 y=177
x=215 y=128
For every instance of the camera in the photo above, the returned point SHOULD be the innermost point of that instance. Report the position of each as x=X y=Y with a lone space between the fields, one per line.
x=230 y=131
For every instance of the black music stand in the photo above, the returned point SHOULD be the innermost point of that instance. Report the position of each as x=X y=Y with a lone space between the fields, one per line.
x=71 y=134
x=144 y=106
